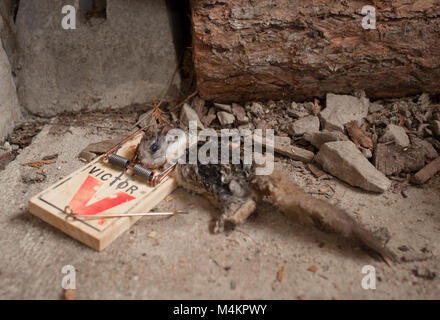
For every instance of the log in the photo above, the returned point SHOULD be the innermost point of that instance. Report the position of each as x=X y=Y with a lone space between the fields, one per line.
x=274 y=49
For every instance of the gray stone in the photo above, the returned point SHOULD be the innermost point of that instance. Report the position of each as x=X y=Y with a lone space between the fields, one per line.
x=225 y=118
x=342 y=109
x=239 y=113
x=10 y=113
x=309 y=124
x=297 y=110
x=423 y=99
x=282 y=141
x=396 y=134
x=296 y=153
x=436 y=127
x=282 y=145
x=6 y=147
x=317 y=139
x=32 y=175
x=125 y=58
x=256 y=109
x=198 y=104
x=188 y=114
x=366 y=152
x=343 y=160
x=223 y=107
x=375 y=107
x=145 y=118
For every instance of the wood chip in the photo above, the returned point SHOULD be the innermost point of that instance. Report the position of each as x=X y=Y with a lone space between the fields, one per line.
x=427 y=172
x=312 y=269
x=280 y=274
x=358 y=136
x=169 y=198
x=70 y=294
x=39 y=163
x=152 y=234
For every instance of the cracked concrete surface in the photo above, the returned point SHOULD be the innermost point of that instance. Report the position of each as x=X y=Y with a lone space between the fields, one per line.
x=184 y=261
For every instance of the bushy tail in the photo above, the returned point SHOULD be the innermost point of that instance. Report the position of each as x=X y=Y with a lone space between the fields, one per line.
x=304 y=208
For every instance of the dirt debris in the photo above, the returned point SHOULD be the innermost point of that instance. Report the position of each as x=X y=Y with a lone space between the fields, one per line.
x=425 y=273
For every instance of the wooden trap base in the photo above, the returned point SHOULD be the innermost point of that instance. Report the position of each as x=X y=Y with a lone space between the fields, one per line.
x=99 y=188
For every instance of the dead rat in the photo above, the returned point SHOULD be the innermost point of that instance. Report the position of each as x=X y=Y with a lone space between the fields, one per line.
x=235 y=190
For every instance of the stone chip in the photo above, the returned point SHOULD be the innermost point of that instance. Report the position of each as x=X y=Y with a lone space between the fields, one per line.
x=343 y=160
x=342 y=109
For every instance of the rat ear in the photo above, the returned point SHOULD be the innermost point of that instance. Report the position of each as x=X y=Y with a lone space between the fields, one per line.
x=166 y=128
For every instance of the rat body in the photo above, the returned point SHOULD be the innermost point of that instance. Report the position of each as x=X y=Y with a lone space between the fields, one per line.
x=235 y=191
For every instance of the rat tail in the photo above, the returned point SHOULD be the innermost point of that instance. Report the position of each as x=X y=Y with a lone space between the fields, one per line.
x=304 y=208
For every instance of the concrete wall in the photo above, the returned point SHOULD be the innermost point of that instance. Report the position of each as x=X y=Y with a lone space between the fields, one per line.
x=10 y=113
x=128 y=57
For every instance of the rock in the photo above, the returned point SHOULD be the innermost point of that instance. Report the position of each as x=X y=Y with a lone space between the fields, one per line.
x=256 y=109
x=260 y=124
x=198 y=104
x=396 y=134
x=145 y=118
x=282 y=141
x=5 y=158
x=309 y=124
x=375 y=107
x=423 y=99
x=225 y=118
x=317 y=139
x=207 y=120
x=223 y=107
x=282 y=146
x=366 y=152
x=124 y=57
x=392 y=159
x=297 y=110
x=436 y=127
x=342 y=109
x=343 y=160
x=188 y=114
x=317 y=172
x=31 y=175
x=6 y=147
x=211 y=116
x=10 y=113
x=295 y=153
x=240 y=113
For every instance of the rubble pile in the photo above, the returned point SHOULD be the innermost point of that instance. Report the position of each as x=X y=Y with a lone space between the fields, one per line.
x=365 y=144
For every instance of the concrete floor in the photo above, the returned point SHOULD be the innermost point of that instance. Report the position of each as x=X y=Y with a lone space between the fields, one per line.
x=184 y=261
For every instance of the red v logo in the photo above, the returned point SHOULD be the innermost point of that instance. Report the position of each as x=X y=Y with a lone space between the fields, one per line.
x=87 y=191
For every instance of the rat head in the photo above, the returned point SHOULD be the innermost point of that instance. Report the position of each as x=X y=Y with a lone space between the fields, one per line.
x=160 y=146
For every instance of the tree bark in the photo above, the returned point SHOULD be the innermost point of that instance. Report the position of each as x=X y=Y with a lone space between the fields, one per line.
x=275 y=49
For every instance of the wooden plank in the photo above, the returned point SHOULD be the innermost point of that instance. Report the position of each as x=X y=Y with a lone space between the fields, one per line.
x=99 y=188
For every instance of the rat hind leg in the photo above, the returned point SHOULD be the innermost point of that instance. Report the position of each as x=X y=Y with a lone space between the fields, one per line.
x=235 y=214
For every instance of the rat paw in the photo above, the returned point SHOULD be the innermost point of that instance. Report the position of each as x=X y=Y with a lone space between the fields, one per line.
x=219 y=225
